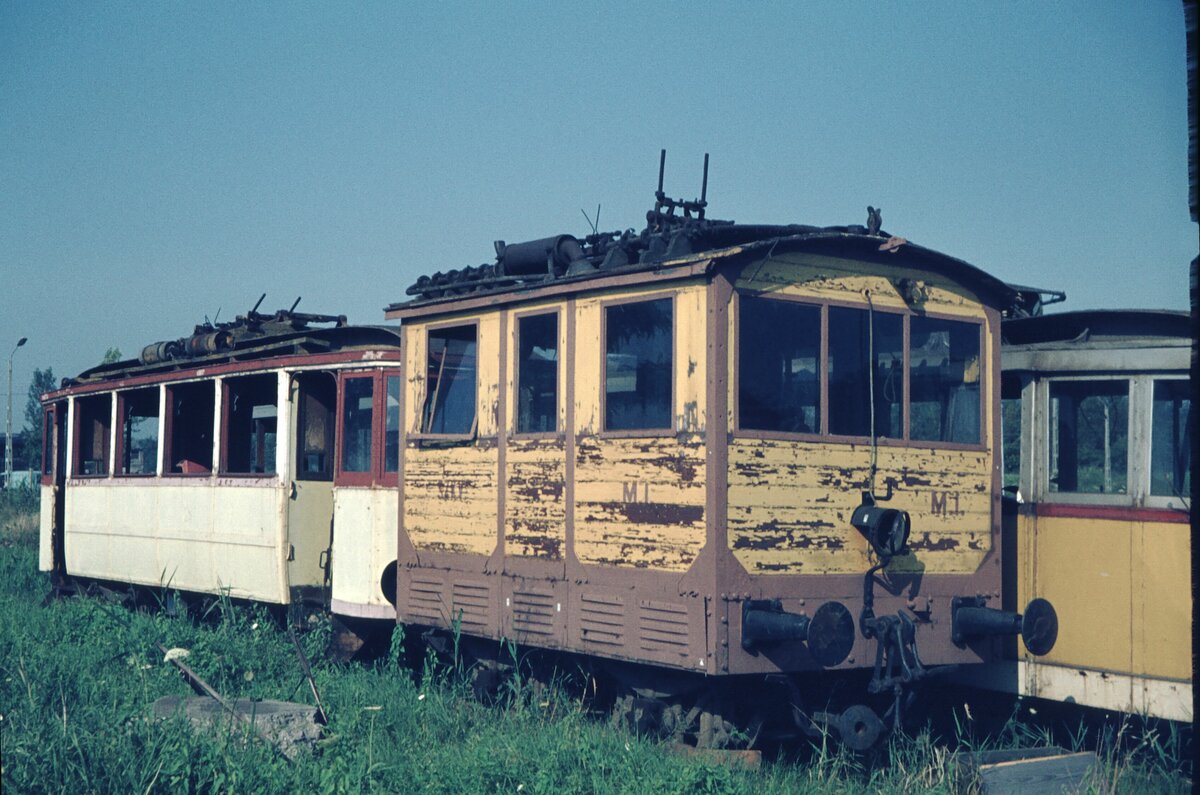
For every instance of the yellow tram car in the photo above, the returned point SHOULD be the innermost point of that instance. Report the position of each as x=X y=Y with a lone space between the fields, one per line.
x=1097 y=406
x=711 y=451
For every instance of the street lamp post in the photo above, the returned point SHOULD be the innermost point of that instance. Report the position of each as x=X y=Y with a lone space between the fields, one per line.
x=8 y=424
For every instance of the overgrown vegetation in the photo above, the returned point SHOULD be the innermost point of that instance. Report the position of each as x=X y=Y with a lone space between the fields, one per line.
x=78 y=677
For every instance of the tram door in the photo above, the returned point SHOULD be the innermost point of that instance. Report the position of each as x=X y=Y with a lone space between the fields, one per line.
x=310 y=513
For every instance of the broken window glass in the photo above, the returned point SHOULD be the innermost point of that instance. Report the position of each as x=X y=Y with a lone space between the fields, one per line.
x=637 y=374
x=251 y=424
x=1170 y=444
x=850 y=383
x=358 y=405
x=537 y=374
x=944 y=380
x=779 y=356
x=95 y=420
x=190 y=443
x=450 y=378
x=139 y=432
x=1089 y=436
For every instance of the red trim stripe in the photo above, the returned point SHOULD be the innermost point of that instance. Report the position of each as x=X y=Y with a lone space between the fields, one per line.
x=1120 y=513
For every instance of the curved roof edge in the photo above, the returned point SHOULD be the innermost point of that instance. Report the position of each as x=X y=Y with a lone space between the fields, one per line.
x=312 y=340
x=889 y=251
x=1088 y=324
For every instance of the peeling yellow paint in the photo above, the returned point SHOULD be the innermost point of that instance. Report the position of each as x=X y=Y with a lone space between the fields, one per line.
x=450 y=498
x=639 y=503
x=535 y=501
x=790 y=505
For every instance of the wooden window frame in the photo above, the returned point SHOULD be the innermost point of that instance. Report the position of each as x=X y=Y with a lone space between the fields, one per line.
x=119 y=455
x=168 y=430
x=375 y=475
x=559 y=333
x=223 y=468
x=421 y=434
x=638 y=433
x=50 y=451
x=77 y=434
x=825 y=436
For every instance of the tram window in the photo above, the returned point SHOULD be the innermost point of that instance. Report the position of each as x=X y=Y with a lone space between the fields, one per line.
x=1089 y=436
x=391 y=439
x=537 y=374
x=450 y=378
x=779 y=354
x=850 y=379
x=943 y=380
x=315 y=426
x=190 y=443
x=49 y=450
x=1170 y=443
x=1010 y=422
x=637 y=374
x=95 y=420
x=251 y=424
x=138 y=442
x=358 y=406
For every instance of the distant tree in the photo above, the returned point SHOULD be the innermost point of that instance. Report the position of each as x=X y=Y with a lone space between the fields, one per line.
x=31 y=436
x=111 y=355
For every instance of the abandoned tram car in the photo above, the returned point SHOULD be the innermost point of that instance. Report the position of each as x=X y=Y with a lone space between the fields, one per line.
x=241 y=460
x=712 y=448
x=700 y=456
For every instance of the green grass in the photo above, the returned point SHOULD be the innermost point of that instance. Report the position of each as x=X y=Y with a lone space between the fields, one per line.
x=78 y=678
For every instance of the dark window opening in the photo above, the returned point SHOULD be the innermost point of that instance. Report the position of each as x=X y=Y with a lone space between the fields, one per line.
x=95 y=421
x=944 y=380
x=1089 y=436
x=315 y=426
x=49 y=439
x=190 y=449
x=391 y=429
x=358 y=406
x=251 y=424
x=537 y=374
x=850 y=384
x=1010 y=429
x=638 y=366
x=1171 y=440
x=779 y=358
x=139 y=432
x=450 y=378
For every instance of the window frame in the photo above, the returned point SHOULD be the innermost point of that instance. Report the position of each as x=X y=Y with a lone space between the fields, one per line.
x=1145 y=455
x=638 y=433
x=824 y=436
x=50 y=451
x=77 y=435
x=226 y=415
x=421 y=434
x=559 y=390
x=375 y=474
x=168 y=429
x=119 y=455
x=1137 y=446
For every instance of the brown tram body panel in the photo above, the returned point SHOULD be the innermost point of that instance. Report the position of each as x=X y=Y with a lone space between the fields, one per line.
x=636 y=546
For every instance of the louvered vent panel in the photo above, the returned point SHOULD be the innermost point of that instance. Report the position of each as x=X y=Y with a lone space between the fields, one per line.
x=471 y=601
x=602 y=619
x=662 y=626
x=425 y=601
x=533 y=612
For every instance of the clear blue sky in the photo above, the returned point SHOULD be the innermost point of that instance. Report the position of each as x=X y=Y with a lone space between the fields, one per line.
x=161 y=161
